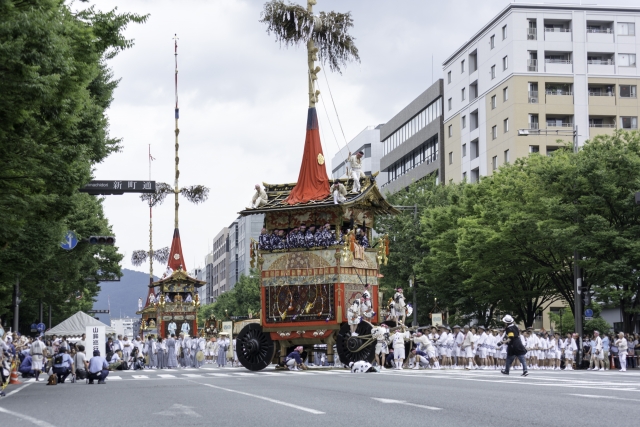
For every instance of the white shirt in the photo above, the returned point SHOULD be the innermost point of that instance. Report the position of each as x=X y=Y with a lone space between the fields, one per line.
x=598 y=341
x=355 y=163
x=398 y=339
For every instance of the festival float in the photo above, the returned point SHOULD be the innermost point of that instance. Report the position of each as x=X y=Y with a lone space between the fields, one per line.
x=307 y=293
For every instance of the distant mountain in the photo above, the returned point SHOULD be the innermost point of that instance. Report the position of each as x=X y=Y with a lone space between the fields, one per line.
x=122 y=295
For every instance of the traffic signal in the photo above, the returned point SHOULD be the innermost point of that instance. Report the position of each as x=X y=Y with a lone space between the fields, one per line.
x=102 y=240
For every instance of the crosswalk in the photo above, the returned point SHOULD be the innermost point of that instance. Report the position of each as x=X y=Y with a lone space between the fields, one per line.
x=609 y=380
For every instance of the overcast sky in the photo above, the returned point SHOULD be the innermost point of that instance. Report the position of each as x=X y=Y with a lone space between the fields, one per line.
x=243 y=100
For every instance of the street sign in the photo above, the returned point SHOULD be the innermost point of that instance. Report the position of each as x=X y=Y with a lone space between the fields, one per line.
x=588 y=318
x=98 y=311
x=588 y=313
x=41 y=327
x=34 y=327
x=118 y=187
x=70 y=241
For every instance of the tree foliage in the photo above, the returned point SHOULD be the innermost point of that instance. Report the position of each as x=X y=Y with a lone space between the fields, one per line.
x=244 y=297
x=506 y=244
x=56 y=86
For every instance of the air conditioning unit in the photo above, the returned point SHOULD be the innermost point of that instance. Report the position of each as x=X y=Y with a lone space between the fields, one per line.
x=533 y=100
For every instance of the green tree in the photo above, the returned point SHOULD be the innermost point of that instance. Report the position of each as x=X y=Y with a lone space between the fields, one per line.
x=56 y=86
x=244 y=296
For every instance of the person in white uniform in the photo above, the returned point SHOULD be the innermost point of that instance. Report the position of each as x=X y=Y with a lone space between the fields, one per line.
x=623 y=349
x=458 y=338
x=355 y=164
x=37 y=356
x=339 y=192
x=466 y=348
x=482 y=347
x=381 y=335
x=260 y=197
x=569 y=352
x=398 y=339
x=441 y=345
x=172 y=328
x=361 y=367
x=597 y=355
x=399 y=306
x=353 y=316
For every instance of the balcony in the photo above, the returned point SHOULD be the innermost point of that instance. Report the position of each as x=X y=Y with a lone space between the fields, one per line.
x=534 y=126
x=557 y=33
x=533 y=97
x=532 y=34
x=600 y=63
x=532 y=65
x=602 y=95
x=558 y=65
x=560 y=122
x=599 y=32
x=601 y=125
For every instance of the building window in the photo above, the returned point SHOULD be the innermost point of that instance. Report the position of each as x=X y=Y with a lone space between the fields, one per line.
x=451 y=157
x=534 y=149
x=464 y=150
x=505 y=124
x=464 y=176
x=628 y=91
x=505 y=62
x=475 y=152
x=463 y=93
x=494 y=163
x=464 y=122
x=626 y=59
x=629 y=122
x=462 y=66
x=492 y=41
x=449 y=77
x=450 y=130
x=449 y=103
x=626 y=29
x=505 y=94
x=494 y=132
x=493 y=72
x=506 y=156
x=494 y=102
x=504 y=32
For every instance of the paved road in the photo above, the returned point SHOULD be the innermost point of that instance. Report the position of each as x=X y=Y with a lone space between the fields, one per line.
x=237 y=397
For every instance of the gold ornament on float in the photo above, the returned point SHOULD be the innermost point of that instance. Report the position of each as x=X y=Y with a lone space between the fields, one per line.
x=320 y=159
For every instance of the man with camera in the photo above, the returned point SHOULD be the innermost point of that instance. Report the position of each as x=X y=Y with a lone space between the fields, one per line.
x=98 y=368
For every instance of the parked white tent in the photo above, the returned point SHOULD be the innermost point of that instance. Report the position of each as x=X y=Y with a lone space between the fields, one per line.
x=76 y=325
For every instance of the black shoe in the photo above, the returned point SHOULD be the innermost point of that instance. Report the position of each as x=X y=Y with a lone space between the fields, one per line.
x=90 y=382
x=504 y=372
x=101 y=382
x=525 y=374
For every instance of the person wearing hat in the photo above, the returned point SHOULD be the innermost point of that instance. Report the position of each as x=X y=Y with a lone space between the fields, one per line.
x=399 y=306
x=466 y=349
x=515 y=348
x=98 y=368
x=339 y=192
x=293 y=361
x=381 y=335
x=482 y=347
x=62 y=364
x=456 y=353
x=425 y=346
x=441 y=344
x=355 y=163
x=398 y=339
x=260 y=198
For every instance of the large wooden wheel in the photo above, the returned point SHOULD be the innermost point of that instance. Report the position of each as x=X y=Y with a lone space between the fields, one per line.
x=350 y=348
x=254 y=347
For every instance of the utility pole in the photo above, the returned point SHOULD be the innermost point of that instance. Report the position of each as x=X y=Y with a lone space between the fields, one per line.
x=16 y=304
x=577 y=280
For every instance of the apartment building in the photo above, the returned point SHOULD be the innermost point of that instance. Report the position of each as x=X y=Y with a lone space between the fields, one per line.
x=217 y=269
x=367 y=141
x=544 y=67
x=241 y=231
x=412 y=141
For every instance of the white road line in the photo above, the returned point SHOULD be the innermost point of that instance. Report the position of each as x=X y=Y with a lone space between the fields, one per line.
x=268 y=399
x=193 y=375
x=27 y=418
x=167 y=376
x=113 y=378
x=17 y=390
x=219 y=375
x=140 y=377
x=604 y=397
x=403 y=402
x=245 y=374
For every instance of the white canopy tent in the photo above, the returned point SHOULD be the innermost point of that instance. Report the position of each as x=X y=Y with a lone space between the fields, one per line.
x=76 y=325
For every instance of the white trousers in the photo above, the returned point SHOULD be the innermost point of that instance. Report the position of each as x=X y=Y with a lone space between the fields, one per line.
x=338 y=198
x=356 y=174
x=623 y=360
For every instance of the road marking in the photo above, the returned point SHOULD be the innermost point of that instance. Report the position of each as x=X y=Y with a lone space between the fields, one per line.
x=403 y=402
x=177 y=409
x=193 y=375
x=268 y=399
x=140 y=377
x=17 y=390
x=27 y=418
x=603 y=397
x=245 y=374
x=114 y=378
x=219 y=375
x=167 y=376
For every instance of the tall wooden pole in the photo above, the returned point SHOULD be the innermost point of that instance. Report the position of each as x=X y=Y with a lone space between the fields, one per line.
x=312 y=56
x=177 y=131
